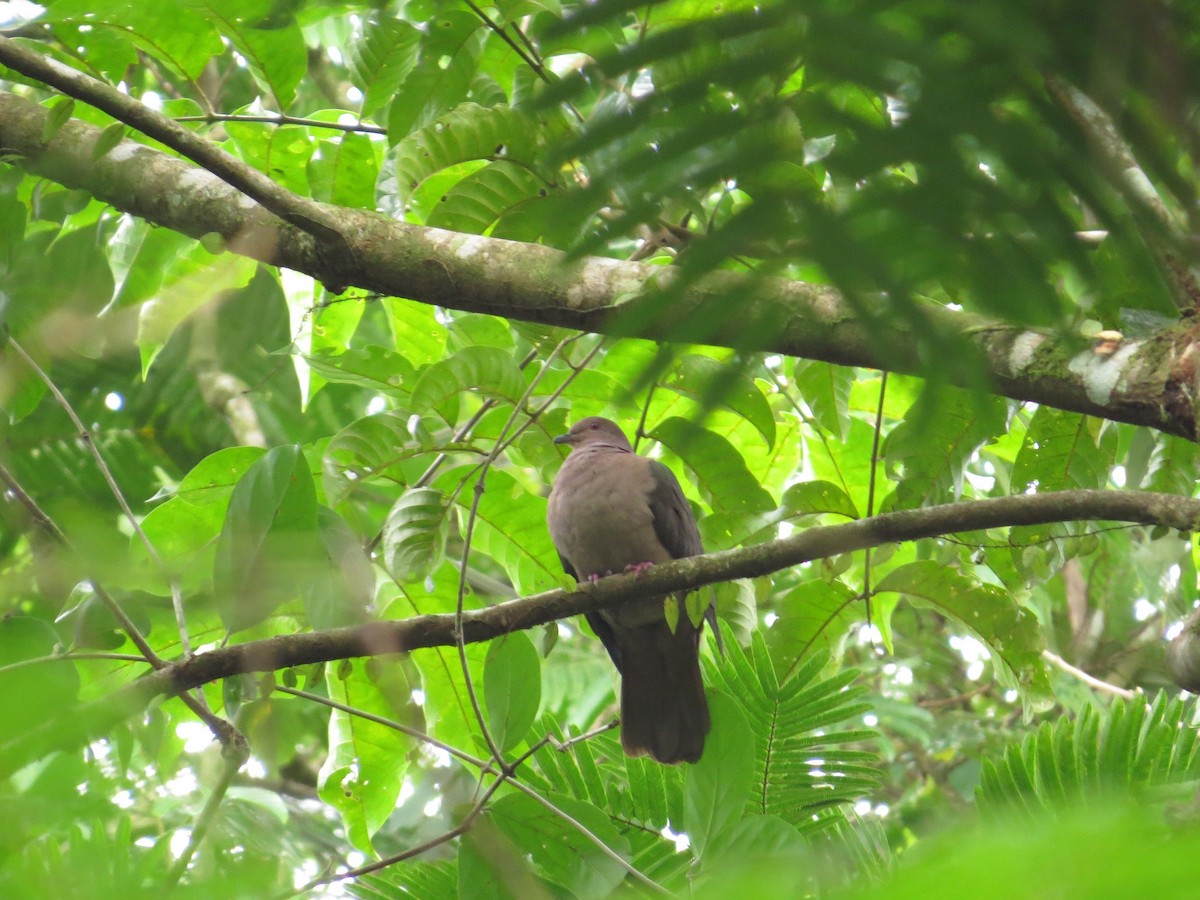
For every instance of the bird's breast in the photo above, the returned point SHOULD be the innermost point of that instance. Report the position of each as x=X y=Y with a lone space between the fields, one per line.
x=599 y=514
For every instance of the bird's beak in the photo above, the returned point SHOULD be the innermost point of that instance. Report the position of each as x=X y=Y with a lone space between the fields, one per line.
x=563 y=439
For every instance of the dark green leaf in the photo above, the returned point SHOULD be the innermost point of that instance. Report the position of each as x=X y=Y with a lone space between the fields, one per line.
x=265 y=550
x=512 y=688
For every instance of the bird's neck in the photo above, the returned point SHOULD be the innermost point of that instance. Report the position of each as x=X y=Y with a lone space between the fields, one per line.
x=603 y=447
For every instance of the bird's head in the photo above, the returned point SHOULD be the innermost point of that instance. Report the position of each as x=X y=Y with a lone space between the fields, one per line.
x=595 y=430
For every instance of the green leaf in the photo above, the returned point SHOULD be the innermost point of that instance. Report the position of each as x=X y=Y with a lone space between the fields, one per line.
x=373 y=367
x=717 y=788
x=762 y=850
x=171 y=33
x=720 y=470
x=512 y=688
x=488 y=371
x=449 y=714
x=109 y=138
x=381 y=58
x=344 y=582
x=814 y=615
x=414 y=535
x=817 y=498
x=280 y=151
x=1009 y=631
x=265 y=550
x=212 y=480
x=372 y=449
x=469 y=132
x=272 y=46
x=29 y=693
x=825 y=390
x=929 y=450
x=362 y=775
x=559 y=852
x=712 y=383
x=184 y=539
x=795 y=721
x=476 y=201
x=1060 y=451
x=450 y=51
x=1117 y=750
x=343 y=171
x=419 y=336
x=510 y=527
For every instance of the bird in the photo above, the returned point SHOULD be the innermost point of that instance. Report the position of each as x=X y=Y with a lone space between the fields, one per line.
x=612 y=511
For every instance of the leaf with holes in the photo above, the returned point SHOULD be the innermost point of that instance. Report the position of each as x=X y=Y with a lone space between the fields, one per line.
x=468 y=132
x=486 y=195
x=374 y=448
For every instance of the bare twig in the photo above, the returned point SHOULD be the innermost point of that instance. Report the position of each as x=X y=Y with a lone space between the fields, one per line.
x=230 y=737
x=204 y=820
x=457 y=831
x=85 y=436
x=415 y=734
x=1090 y=680
x=535 y=65
x=274 y=119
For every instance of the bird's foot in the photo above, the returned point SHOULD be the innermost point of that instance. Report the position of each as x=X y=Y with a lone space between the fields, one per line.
x=639 y=568
x=594 y=578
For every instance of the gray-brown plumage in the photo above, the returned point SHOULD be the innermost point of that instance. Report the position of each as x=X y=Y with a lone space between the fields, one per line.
x=610 y=510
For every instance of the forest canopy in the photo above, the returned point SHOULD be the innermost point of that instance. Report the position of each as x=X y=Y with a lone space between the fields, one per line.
x=296 y=296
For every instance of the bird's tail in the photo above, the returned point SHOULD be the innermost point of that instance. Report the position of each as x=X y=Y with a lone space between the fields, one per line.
x=663 y=710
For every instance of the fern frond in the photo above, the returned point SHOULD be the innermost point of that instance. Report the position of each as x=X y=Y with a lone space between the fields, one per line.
x=1126 y=748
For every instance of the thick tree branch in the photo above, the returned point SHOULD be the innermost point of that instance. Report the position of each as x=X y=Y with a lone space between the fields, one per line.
x=300 y=211
x=1152 y=382
x=380 y=638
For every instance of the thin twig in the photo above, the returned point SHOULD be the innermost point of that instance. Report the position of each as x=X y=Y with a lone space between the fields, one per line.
x=51 y=528
x=69 y=657
x=409 y=731
x=280 y=119
x=866 y=591
x=567 y=744
x=203 y=822
x=109 y=479
x=501 y=444
x=1091 y=680
x=485 y=767
x=457 y=831
x=534 y=64
x=230 y=737
x=591 y=836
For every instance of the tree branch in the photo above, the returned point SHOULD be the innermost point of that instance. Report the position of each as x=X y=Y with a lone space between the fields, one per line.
x=300 y=211
x=379 y=638
x=1150 y=382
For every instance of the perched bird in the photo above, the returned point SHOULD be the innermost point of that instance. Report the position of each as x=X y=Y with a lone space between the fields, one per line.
x=612 y=511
